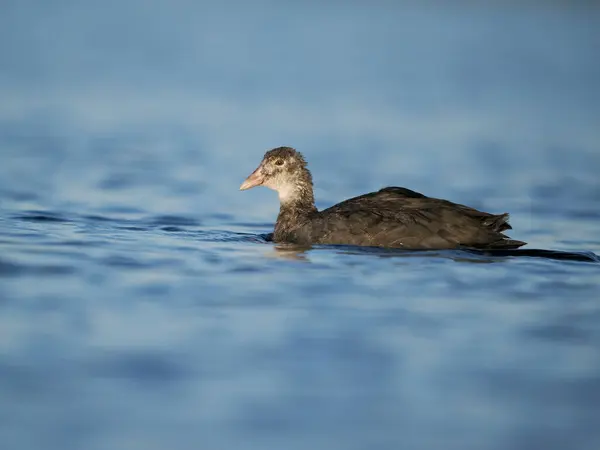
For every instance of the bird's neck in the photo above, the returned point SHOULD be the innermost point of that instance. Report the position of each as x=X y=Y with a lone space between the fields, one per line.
x=293 y=221
x=297 y=194
x=296 y=204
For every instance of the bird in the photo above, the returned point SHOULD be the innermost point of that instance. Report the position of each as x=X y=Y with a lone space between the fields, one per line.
x=392 y=217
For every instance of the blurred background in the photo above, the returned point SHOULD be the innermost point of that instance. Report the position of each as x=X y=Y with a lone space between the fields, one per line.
x=140 y=306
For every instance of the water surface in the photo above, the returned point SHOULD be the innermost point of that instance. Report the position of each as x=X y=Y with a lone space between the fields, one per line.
x=141 y=305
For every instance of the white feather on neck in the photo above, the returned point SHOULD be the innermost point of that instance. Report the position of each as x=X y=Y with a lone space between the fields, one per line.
x=287 y=193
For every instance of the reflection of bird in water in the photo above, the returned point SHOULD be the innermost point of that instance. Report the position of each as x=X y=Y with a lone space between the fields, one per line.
x=290 y=251
x=392 y=217
x=300 y=253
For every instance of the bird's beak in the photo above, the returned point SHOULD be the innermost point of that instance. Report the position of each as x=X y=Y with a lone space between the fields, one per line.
x=256 y=178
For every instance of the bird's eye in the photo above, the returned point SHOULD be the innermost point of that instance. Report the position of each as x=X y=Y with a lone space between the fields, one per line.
x=279 y=162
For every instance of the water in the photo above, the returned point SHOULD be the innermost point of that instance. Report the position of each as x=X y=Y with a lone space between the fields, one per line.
x=141 y=306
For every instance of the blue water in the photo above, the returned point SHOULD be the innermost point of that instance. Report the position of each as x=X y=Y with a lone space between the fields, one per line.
x=141 y=306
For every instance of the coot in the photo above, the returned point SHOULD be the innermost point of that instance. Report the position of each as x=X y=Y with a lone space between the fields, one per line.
x=391 y=217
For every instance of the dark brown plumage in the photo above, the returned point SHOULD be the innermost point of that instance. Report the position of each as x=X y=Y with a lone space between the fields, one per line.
x=392 y=217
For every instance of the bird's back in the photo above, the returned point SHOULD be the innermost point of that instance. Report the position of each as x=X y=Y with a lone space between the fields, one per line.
x=399 y=217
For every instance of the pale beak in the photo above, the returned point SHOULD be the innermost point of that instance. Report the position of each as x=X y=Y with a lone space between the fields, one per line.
x=256 y=178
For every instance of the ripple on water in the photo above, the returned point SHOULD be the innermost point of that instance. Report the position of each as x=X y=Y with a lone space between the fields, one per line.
x=121 y=261
x=173 y=220
x=20 y=196
x=98 y=218
x=42 y=216
x=173 y=229
x=560 y=333
x=9 y=268
x=145 y=367
x=14 y=269
x=228 y=236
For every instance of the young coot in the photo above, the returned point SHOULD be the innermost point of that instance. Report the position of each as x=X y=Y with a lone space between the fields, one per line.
x=392 y=217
